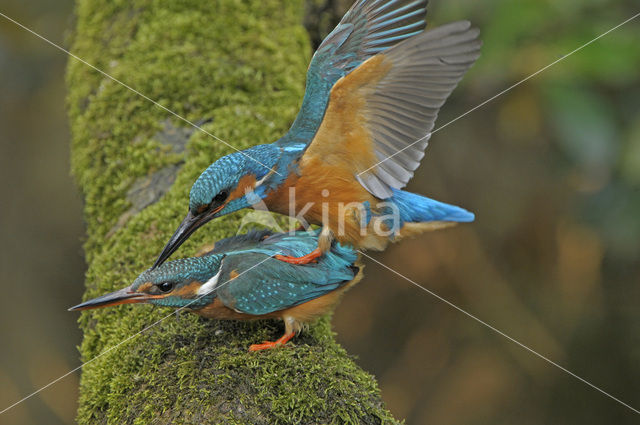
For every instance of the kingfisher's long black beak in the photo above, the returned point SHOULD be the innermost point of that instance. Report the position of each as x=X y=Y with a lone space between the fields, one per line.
x=122 y=296
x=189 y=225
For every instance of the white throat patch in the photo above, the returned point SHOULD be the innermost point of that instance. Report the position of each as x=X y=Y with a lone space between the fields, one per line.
x=210 y=285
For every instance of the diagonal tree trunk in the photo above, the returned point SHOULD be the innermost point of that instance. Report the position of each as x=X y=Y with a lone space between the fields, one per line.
x=237 y=68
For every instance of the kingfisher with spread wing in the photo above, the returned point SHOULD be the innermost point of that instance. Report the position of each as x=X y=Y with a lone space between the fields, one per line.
x=374 y=89
x=240 y=280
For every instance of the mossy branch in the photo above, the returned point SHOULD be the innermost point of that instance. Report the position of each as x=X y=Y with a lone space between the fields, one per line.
x=237 y=68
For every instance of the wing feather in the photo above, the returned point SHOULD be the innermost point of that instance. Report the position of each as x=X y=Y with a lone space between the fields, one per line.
x=275 y=285
x=394 y=98
x=368 y=28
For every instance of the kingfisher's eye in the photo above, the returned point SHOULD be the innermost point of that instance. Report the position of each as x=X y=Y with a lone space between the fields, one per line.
x=165 y=286
x=220 y=197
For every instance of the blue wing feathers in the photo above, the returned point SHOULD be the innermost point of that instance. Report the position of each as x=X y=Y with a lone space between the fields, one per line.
x=416 y=25
x=390 y=39
x=276 y=285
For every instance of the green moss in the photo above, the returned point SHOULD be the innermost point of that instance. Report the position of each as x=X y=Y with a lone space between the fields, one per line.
x=241 y=64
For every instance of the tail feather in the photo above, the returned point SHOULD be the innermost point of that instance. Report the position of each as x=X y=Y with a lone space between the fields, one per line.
x=418 y=209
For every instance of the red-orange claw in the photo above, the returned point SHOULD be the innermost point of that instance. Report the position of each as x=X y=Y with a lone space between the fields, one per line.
x=305 y=259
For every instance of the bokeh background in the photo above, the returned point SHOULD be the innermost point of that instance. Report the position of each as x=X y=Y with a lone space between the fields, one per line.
x=551 y=169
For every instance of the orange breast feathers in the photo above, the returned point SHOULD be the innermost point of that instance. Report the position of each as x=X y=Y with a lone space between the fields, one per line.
x=324 y=195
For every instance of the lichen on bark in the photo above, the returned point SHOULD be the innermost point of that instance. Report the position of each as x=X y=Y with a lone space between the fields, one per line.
x=237 y=66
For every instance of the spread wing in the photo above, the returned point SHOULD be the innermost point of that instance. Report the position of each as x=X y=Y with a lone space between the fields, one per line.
x=385 y=109
x=274 y=285
x=369 y=27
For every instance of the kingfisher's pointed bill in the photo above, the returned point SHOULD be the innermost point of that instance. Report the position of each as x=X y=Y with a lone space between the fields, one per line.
x=121 y=296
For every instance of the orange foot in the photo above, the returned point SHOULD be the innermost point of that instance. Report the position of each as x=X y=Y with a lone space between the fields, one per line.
x=305 y=259
x=268 y=344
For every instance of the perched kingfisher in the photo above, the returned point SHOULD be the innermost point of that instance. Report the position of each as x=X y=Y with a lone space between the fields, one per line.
x=239 y=279
x=374 y=89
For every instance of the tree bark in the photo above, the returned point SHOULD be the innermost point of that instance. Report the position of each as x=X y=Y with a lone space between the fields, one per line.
x=237 y=68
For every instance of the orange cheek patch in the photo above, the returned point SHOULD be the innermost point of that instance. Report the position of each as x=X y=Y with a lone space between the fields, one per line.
x=187 y=290
x=233 y=274
x=246 y=182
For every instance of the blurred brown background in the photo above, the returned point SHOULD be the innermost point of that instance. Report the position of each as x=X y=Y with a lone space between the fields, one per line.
x=551 y=169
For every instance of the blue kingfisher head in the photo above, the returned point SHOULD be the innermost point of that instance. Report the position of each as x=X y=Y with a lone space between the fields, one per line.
x=187 y=283
x=233 y=182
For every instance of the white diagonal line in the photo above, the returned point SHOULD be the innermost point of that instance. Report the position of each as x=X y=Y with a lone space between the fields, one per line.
x=500 y=333
x=504 y=91
x=388 y=268
x=135 y=91
x=108 y=350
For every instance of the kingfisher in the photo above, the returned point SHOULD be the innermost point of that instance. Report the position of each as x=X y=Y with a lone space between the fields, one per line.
x=374 y=88
x=239 y=279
